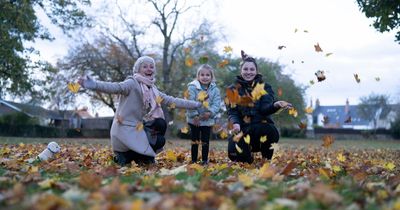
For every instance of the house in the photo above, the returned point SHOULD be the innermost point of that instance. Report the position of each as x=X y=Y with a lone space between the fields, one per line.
x=346 y=116
x=56 y=118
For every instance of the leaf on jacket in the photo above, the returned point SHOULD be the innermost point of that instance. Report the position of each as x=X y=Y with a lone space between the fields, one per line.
x=258 y=91
x=317 y=48
x=238 y=149
x=202 y=96
x=320 y=75
x=233 y=96
x=189 y=62
x=73 y=87
x=139 y=126
x=358 y=80
x=205 y=104
x=263 y=139
x=247 y=139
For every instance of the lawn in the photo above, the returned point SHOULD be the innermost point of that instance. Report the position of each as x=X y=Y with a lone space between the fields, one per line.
x=351 y=174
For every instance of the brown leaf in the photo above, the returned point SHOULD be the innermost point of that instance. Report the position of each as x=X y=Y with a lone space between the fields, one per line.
x=288 y=168
x=89 y=181
x=325 y=195
x=317 y=48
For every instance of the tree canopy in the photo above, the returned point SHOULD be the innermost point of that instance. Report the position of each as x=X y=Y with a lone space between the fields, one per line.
x=386 y=14
x=19 y=25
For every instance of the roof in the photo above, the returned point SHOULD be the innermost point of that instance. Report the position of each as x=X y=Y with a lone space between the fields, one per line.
x=337 y=115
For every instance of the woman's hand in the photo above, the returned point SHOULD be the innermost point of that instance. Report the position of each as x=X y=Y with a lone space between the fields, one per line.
x=283 y=105
x=196 y=121
x=236 y=128
x=87 y=82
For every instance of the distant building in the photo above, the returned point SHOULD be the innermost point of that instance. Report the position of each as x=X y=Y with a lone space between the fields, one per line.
x=346 y=116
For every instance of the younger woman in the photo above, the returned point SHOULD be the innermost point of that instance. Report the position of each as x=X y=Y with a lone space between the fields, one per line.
x=203 y=89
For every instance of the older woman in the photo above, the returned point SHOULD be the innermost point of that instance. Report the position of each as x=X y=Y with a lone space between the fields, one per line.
x=139 y=104
x=251 y=115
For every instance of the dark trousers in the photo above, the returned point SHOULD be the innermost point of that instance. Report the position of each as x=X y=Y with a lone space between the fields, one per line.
x=256 y=131
x=200 y=133
x=155 y=131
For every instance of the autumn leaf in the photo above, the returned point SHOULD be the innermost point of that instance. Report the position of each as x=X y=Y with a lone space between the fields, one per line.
x=258 y=91
x=348 y=120
x=247 y=139
x=159 y=100
x=327 y=141
x=275 y=146
x=172 y=106
x=232 y=95
x=336 y=168
x=279 y=91
x=280 y=47
x=223 y=63
x=186 y=94
x=320 y=75
x=312 y=82
x=189 y=62
x=74 y=87
x=238 y=149
x=295 y=30
x=205 y=104
x=227 y=49
x=288 y=168
x=302 y=125
x=309 y=110
x=357 y=78
x=377 y=79
x=389 y=166
x=187 y=50
x=202 y=96
x=247 y=181
x=185 y=130
x=223 y=134
x=170 y=155
x=340 y=157
x=328 y=54
x=120 y=119
x=139 y=126
x=263 y=139
x=292 y=111
x=203 y=59
x=305 y=31
x=317 y=48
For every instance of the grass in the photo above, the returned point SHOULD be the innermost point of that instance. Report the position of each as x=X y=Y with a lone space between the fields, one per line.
x=220 y=144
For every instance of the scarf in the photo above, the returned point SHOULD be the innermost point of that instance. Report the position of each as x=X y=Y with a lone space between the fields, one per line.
x=149 y=98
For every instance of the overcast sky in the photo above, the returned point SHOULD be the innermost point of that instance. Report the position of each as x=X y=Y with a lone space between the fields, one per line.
x=260 y=26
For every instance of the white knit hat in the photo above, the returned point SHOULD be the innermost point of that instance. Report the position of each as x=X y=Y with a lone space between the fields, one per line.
x=141 y=60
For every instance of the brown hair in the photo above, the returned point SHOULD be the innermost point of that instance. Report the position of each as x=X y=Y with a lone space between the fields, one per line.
x=247 y=58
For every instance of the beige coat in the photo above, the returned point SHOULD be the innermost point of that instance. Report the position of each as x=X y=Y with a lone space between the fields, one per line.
x=130 y=112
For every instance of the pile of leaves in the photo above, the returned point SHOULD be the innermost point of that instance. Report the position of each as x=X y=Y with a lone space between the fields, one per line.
x=85 y=177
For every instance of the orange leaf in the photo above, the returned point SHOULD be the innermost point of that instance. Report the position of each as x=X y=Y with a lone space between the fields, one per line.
x=223 y=63
x=185 y=130
x=139 y=126
x=189 y=62
x=328 y=141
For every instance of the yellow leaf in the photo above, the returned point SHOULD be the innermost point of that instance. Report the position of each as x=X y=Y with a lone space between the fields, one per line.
x=324 y=173
x=47 y=183
x=186 y=94
x=336 y=168
x=228 y=49
x=137 y=204
x=189 y=62
x=238 y=148
x=202 y=95
x=309 y=110
x=340 y=157
x=205 y=104
x=293 y=112
x=172 y=106
x=170 y=155
x=159 y=100
x=139 y=126
x=263 y=139
x=247 y=181
x=238 y=136
x=185 y=130
x=74 y=87
x=389 y=166
x=223 y=134
x=258 y=91
x=247 y=139
x=275 y=146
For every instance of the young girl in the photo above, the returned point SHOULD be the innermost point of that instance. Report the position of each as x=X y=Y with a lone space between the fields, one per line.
x=203 y=89
x=138 y=128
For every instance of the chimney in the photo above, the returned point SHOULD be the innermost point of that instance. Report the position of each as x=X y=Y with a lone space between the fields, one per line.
x=347 y=107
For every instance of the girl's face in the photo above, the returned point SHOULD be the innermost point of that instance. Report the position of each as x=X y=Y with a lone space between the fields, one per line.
x=248 y=71
x=147 y=70
x=204 y=76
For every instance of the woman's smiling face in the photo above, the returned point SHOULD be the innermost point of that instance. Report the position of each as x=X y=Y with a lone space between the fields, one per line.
x=248 y=71
x=147 y=70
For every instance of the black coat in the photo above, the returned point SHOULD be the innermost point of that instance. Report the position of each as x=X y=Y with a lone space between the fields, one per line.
x=262 y=109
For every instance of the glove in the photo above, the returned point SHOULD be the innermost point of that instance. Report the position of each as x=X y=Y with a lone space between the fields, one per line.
x=87 y=82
